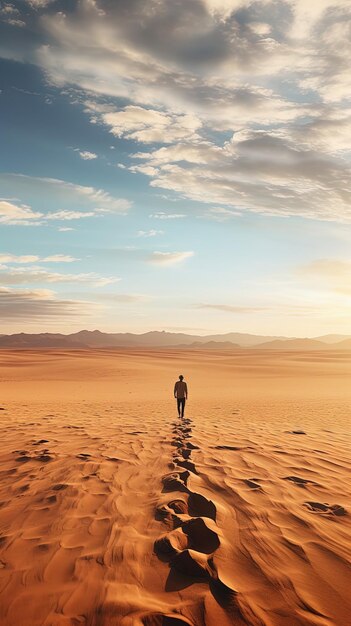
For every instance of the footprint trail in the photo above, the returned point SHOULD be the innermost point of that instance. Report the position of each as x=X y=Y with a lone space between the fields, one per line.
x=192 y=536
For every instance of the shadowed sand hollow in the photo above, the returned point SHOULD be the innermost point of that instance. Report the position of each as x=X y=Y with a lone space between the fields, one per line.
x=115 y=512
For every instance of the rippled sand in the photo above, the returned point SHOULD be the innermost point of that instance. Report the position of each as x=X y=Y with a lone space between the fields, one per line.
x=115 y=512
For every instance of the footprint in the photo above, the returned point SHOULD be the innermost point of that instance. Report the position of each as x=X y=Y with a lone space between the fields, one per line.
x=59 y=487
x=301 y=482
x=44 y=458
x=191 y=446
x=252 y=484
x=37 y=443
x=175 y=481
x=168 y=546
x=333 y=509
x=199 y=506
x=136 y=432
x=201 y=537
x=191 y=563
x=185 y=452
x=178 y=506
x=51 y=499
x=188 y=465
x=227 y=448
x=177 y=443
x=23 y=488
x=296 y=432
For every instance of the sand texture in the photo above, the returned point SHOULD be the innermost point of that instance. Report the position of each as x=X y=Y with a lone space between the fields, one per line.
x=115 y=512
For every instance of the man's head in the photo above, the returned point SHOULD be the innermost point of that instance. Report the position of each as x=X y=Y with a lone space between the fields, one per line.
x=181 y=377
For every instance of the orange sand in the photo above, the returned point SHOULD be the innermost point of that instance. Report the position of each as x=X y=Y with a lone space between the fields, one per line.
x=114 y=512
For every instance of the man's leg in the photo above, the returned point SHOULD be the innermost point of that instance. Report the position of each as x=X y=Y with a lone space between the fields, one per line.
x=183 y=406
x=178 y=405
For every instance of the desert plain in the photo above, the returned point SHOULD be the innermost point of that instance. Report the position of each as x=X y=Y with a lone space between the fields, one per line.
x=115 y=512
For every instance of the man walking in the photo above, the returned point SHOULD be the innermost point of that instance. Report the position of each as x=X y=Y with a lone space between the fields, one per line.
x=181 y=394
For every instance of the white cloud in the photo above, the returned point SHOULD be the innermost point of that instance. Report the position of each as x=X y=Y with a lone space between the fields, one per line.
x=14 y=22
x=86 y=155
x=31 y=258
x=148 y=126
x=9 y=9
x=199 y=153
x=65 y=229
x=11 y=15
x=265 y=172
x=220 y=214
x=169 y=258
x=159 y=63
x=13 y=214
x=87 y=201
x=30 y=275
x=39 y=4
x=308 y=14
x=12 y=258
x=70 y=215
x=146 y=233
x=161 y=215
x=59 y=258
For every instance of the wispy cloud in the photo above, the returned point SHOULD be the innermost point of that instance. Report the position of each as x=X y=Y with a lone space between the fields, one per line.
x=39 y=4
x=39 y=305
x=70 y=215
x=13 y=214
x=169 y=258
x=149 y=233
x=32 y=258
x=87 y=201
x=124 y=298
x=227 y=308
x=11 y=15
x=161 y=215
x=264 y=172
x=86 y=155
x=30 y=275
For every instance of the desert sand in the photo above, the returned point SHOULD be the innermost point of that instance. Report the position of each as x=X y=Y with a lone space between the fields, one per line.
x=114 y=512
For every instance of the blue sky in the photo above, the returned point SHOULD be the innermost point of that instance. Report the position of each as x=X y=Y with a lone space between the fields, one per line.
x=175 y=165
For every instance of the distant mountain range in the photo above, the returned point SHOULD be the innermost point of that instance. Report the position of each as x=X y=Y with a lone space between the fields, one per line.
x=163 y=339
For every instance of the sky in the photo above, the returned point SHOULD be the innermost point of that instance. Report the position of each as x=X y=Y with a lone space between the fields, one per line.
x=179 y=165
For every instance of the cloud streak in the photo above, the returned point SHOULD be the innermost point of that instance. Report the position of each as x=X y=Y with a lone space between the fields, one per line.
x=33 y=258
x=88 y=201
x=169 y=258
x=40 y=305
x=30 y=275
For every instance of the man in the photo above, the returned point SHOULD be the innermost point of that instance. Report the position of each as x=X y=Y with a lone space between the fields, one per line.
x=181 y=394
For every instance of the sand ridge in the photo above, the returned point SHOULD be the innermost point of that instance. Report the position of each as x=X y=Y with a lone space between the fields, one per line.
x=116 y=513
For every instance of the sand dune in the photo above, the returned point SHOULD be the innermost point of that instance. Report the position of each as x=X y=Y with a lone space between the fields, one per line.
x=115 y=512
